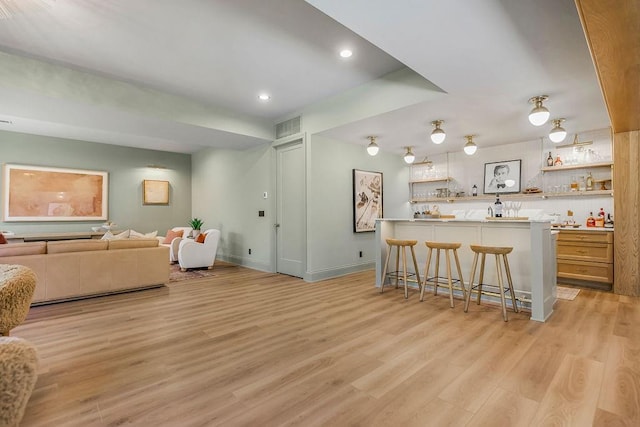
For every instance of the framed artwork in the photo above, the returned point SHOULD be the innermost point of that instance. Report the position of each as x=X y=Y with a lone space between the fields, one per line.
x=155 y=192
x=39 y=193
x=367 y=200
x=502 y=177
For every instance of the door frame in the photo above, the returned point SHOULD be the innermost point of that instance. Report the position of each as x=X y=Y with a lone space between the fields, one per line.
x=302 y=137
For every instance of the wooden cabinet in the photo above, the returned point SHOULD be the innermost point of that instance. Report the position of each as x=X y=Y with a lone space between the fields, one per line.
x=585 y=255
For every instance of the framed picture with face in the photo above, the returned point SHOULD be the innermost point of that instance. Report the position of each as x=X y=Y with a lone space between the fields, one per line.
x=502 y=177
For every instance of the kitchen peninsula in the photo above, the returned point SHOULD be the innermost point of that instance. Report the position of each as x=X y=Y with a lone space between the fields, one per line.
x=532 y=261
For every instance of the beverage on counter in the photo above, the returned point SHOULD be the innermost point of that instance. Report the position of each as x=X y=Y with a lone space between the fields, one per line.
x=608 y=223
x=497 y=207
x=591 y=221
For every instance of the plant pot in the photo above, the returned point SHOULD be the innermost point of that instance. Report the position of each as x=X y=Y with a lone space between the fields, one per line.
x=195 y=233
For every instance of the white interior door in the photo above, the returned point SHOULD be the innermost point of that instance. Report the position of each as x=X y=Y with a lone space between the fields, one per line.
x=290 y=215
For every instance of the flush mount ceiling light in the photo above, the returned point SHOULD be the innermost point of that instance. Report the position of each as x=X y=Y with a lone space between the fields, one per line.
x=557 y=134
x=438 y=135
x=346 y=53
x=470 y=147
x=409 y=157
x=372 y=148
x=264 y=97
x=10 y=8
x=539 y=114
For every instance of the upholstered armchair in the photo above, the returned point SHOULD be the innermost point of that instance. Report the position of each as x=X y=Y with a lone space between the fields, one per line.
x=17 y=285
x=174 y=243
x=18 y=375
x=192 y=254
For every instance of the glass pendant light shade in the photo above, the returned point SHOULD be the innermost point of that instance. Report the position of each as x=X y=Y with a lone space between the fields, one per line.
x=557 y=134
x=470 y=147
x=409 y=157
x=372 y=148
x=438 y=135
x=539 y=114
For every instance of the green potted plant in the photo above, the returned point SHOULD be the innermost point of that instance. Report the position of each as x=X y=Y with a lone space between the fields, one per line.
x=196 y=224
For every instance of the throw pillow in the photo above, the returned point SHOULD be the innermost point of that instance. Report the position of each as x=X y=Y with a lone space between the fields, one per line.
x=2 y=239
x=110 y=236
x=172 y=235
x=200 y=238
x=133 y=234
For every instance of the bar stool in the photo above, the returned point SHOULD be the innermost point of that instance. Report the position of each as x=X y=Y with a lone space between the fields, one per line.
x=446 y=247
x=497 y=251
x=397 y=243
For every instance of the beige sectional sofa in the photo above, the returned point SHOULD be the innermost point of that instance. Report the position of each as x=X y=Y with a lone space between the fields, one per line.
x=72 y=269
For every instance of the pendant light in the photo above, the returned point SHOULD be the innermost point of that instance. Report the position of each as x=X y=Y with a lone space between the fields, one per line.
x=539 y=114
x=557 y=134
x=372 y=148
x=409 y=157
x=470 y=147
x=438 y=135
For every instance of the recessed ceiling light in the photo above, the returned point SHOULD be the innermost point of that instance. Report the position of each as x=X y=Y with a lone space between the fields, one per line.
x=264 y=97
x=346 y=53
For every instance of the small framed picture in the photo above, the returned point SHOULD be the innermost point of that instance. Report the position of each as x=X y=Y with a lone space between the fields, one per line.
x=155 y=192
x=502 y=177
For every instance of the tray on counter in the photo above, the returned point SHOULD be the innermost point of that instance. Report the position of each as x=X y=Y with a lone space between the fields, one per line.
x=510 y=218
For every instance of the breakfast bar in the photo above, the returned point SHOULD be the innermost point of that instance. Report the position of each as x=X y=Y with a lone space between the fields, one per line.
x=532 y=261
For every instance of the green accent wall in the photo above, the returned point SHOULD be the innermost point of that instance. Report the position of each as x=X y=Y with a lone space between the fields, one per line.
x=127 y=168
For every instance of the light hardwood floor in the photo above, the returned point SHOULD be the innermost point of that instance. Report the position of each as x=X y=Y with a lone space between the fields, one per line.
x=251 y=348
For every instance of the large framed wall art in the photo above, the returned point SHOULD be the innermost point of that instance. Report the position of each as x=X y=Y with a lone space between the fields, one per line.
x=155 y=192
x=39 y=193
x=502 y=177
x=367 y=200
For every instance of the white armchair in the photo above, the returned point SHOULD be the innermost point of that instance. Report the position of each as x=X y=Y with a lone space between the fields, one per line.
x=193 y=255
x=175 y=242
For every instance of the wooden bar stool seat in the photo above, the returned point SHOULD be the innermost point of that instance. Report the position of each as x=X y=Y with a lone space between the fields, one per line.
x=400 y=243
x=497 y=251
x=435 y=280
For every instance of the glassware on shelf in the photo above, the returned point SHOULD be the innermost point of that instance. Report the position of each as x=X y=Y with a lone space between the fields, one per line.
x=516 y=206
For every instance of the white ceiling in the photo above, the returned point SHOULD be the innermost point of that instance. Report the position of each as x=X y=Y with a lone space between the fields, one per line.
x=197 y=61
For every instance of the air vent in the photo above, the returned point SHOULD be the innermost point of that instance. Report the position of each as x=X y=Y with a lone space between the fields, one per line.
x=288 y=128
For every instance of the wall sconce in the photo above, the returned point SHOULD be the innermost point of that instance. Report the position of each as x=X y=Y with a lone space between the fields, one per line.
x=470 y=147
x=539 y=114
x=438 y=135
x=372 y=148
x=409 y=157
x=557 y=134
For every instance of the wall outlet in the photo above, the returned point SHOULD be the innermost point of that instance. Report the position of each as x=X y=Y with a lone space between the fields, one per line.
x=360 y=254
x=249 y=251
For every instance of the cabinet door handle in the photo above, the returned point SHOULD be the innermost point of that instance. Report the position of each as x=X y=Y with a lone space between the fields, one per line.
x=581 y=251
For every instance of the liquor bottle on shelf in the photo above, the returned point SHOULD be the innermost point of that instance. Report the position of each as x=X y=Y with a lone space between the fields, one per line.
x=608 y=223
x=549 y=160
x=497 y=207
x=591 y=221
x=474 y=190
x=600 y=218
x=589 y=182
x=558 y=161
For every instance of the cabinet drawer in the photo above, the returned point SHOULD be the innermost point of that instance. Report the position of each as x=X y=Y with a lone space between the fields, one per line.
x=586 y=236
x=590 y=271
x=585 y=251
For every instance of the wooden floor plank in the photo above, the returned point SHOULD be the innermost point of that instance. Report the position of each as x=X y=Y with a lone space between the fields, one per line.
x=245 y=347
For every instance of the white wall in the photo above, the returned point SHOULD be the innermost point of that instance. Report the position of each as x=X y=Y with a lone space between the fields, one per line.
x=333 y=248
x=227 y=190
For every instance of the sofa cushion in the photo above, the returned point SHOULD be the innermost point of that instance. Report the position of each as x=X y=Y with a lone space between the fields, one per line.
x=172 y=235
x=26 y=248
x=200 y=238
x=133 y=243
x=79 y=245
x=133 y=234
